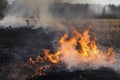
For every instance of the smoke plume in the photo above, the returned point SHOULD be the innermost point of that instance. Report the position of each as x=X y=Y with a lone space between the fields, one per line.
x=37 y=12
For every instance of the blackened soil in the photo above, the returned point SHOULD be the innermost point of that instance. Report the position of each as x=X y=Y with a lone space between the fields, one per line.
x=101 y=74
x=20 y=43
x=17 y=45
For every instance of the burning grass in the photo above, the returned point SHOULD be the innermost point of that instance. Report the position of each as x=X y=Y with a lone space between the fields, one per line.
x=72 y=53
x=75 y=51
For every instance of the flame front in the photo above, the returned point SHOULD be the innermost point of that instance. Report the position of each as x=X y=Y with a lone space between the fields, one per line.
x=78 y=47
x=76 y=51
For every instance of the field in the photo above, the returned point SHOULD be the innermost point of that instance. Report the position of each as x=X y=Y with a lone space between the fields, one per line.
x=18 y=44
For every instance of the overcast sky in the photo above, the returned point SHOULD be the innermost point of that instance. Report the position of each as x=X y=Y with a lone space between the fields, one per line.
x=116 y=2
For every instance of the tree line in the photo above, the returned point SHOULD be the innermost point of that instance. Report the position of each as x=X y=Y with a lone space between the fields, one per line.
x=83 y=10
x=68 y=10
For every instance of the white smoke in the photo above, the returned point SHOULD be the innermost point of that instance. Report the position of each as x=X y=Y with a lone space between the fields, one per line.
x=36 y=10
x=73 y=62
x=12 y=21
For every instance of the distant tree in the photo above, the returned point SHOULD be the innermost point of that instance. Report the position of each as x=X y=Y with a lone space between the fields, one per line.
x=3 y=5
x=103 y=12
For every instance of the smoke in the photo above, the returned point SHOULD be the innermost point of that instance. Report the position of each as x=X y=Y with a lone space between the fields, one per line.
x=37 y=11
x=73 y=62
x=100 y=9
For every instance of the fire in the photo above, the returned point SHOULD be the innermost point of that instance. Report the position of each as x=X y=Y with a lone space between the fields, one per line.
x=79 y=47
x=38 y=59
x=76 y=50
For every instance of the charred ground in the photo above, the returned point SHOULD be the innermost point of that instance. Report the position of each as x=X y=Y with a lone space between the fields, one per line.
x=18 y=44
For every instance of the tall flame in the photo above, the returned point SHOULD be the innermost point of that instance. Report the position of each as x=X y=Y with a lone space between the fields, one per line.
x=78 y=47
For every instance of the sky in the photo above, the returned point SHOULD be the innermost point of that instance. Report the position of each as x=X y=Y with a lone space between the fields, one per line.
x=115 y=2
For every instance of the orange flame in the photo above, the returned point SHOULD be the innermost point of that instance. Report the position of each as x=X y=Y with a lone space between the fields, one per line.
x=80 y=45
x=74 y=50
